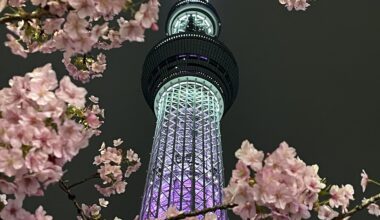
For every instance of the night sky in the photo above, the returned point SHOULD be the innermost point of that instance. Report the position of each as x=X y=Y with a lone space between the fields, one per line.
x=310 y=78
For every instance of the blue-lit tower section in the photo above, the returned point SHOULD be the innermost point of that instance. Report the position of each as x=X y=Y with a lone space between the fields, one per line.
x=189 y=79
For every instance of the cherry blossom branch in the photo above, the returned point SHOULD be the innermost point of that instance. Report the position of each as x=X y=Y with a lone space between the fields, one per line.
x=72 y=197
x=25 y=16
x=360 y=207
x=93 y=176
x=202 y=212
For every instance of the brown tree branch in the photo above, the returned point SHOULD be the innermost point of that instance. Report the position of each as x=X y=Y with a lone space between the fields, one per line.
x=72 y=197
x=360 y=207
x=93 y=176
x=202 y=212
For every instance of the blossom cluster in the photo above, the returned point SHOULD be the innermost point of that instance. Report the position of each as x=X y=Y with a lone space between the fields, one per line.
x=43 y=125
x=280 y=185
x=298 y=5
x=115 y=164
x=93 y=211
x=76 y=27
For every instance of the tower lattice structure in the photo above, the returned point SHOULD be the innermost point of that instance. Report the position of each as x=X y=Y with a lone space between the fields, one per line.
x=190 y=79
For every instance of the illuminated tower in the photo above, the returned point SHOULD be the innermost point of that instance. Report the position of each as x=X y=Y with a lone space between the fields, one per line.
x=190 y=79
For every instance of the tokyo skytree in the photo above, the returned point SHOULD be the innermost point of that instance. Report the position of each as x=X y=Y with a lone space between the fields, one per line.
x=190 y=79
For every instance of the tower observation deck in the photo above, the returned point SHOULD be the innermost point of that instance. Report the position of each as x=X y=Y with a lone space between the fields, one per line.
x=190 y=79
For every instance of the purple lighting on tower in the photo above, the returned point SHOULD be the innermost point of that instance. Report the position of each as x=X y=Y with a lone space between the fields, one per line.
x=186 y=168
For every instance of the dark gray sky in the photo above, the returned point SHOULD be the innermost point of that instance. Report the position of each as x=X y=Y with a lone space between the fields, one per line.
x=310 y=78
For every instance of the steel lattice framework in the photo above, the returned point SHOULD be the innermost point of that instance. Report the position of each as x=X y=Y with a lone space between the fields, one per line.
x=186 y=169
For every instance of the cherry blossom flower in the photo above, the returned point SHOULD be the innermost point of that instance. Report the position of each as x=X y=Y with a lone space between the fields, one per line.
x=91 y=211
x=364 y=180
x=250 y=156
x=83 y=8
x=52 y=24
x=15 y=46
x=70 y=93
x=326 y=213
x=374 y=209
x=117 y=142
x=94 y=99
x=109 y=8
x=3 y=4
x=75 y=26
x=148 y=14
x=103 y=202
x=131 y=30
x=3 y=199
x=172 y=212
x=295 y=4
x=241 y=171
x=14 y=210
x=211 y=216
x=40 y=214
x=28 y=185
x=11 y=160
x=341 y=196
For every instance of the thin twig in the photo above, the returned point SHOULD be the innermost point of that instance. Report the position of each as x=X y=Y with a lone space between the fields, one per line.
x=93 y=176
x=374 y=182
x=72 y=197
x=360 y=207
x=202 y=212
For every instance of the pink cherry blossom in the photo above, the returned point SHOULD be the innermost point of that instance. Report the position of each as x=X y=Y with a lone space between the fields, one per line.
x=83 y=8
x=326 y=213
x=28 y=185
x=241 y=171
x=103 y=202
x=57 y=7
x=3 y=4
x=341 y=196
x=211 y=216
x=172 y=212
x=301 y=5
x=109 y=8
x=148 y=13
x=70 y=93
x=15 y=46
x=3 y=199
x=39 y=2
x=43 y=81
x=374 y=209
x=14 y=210
x=91 y=211
x=295 y=4
x=40 y=214
x=364 y=180
x=51 y=25
x=250 y=156
x=75 y=26
x=11 y=160
x=131 y=30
